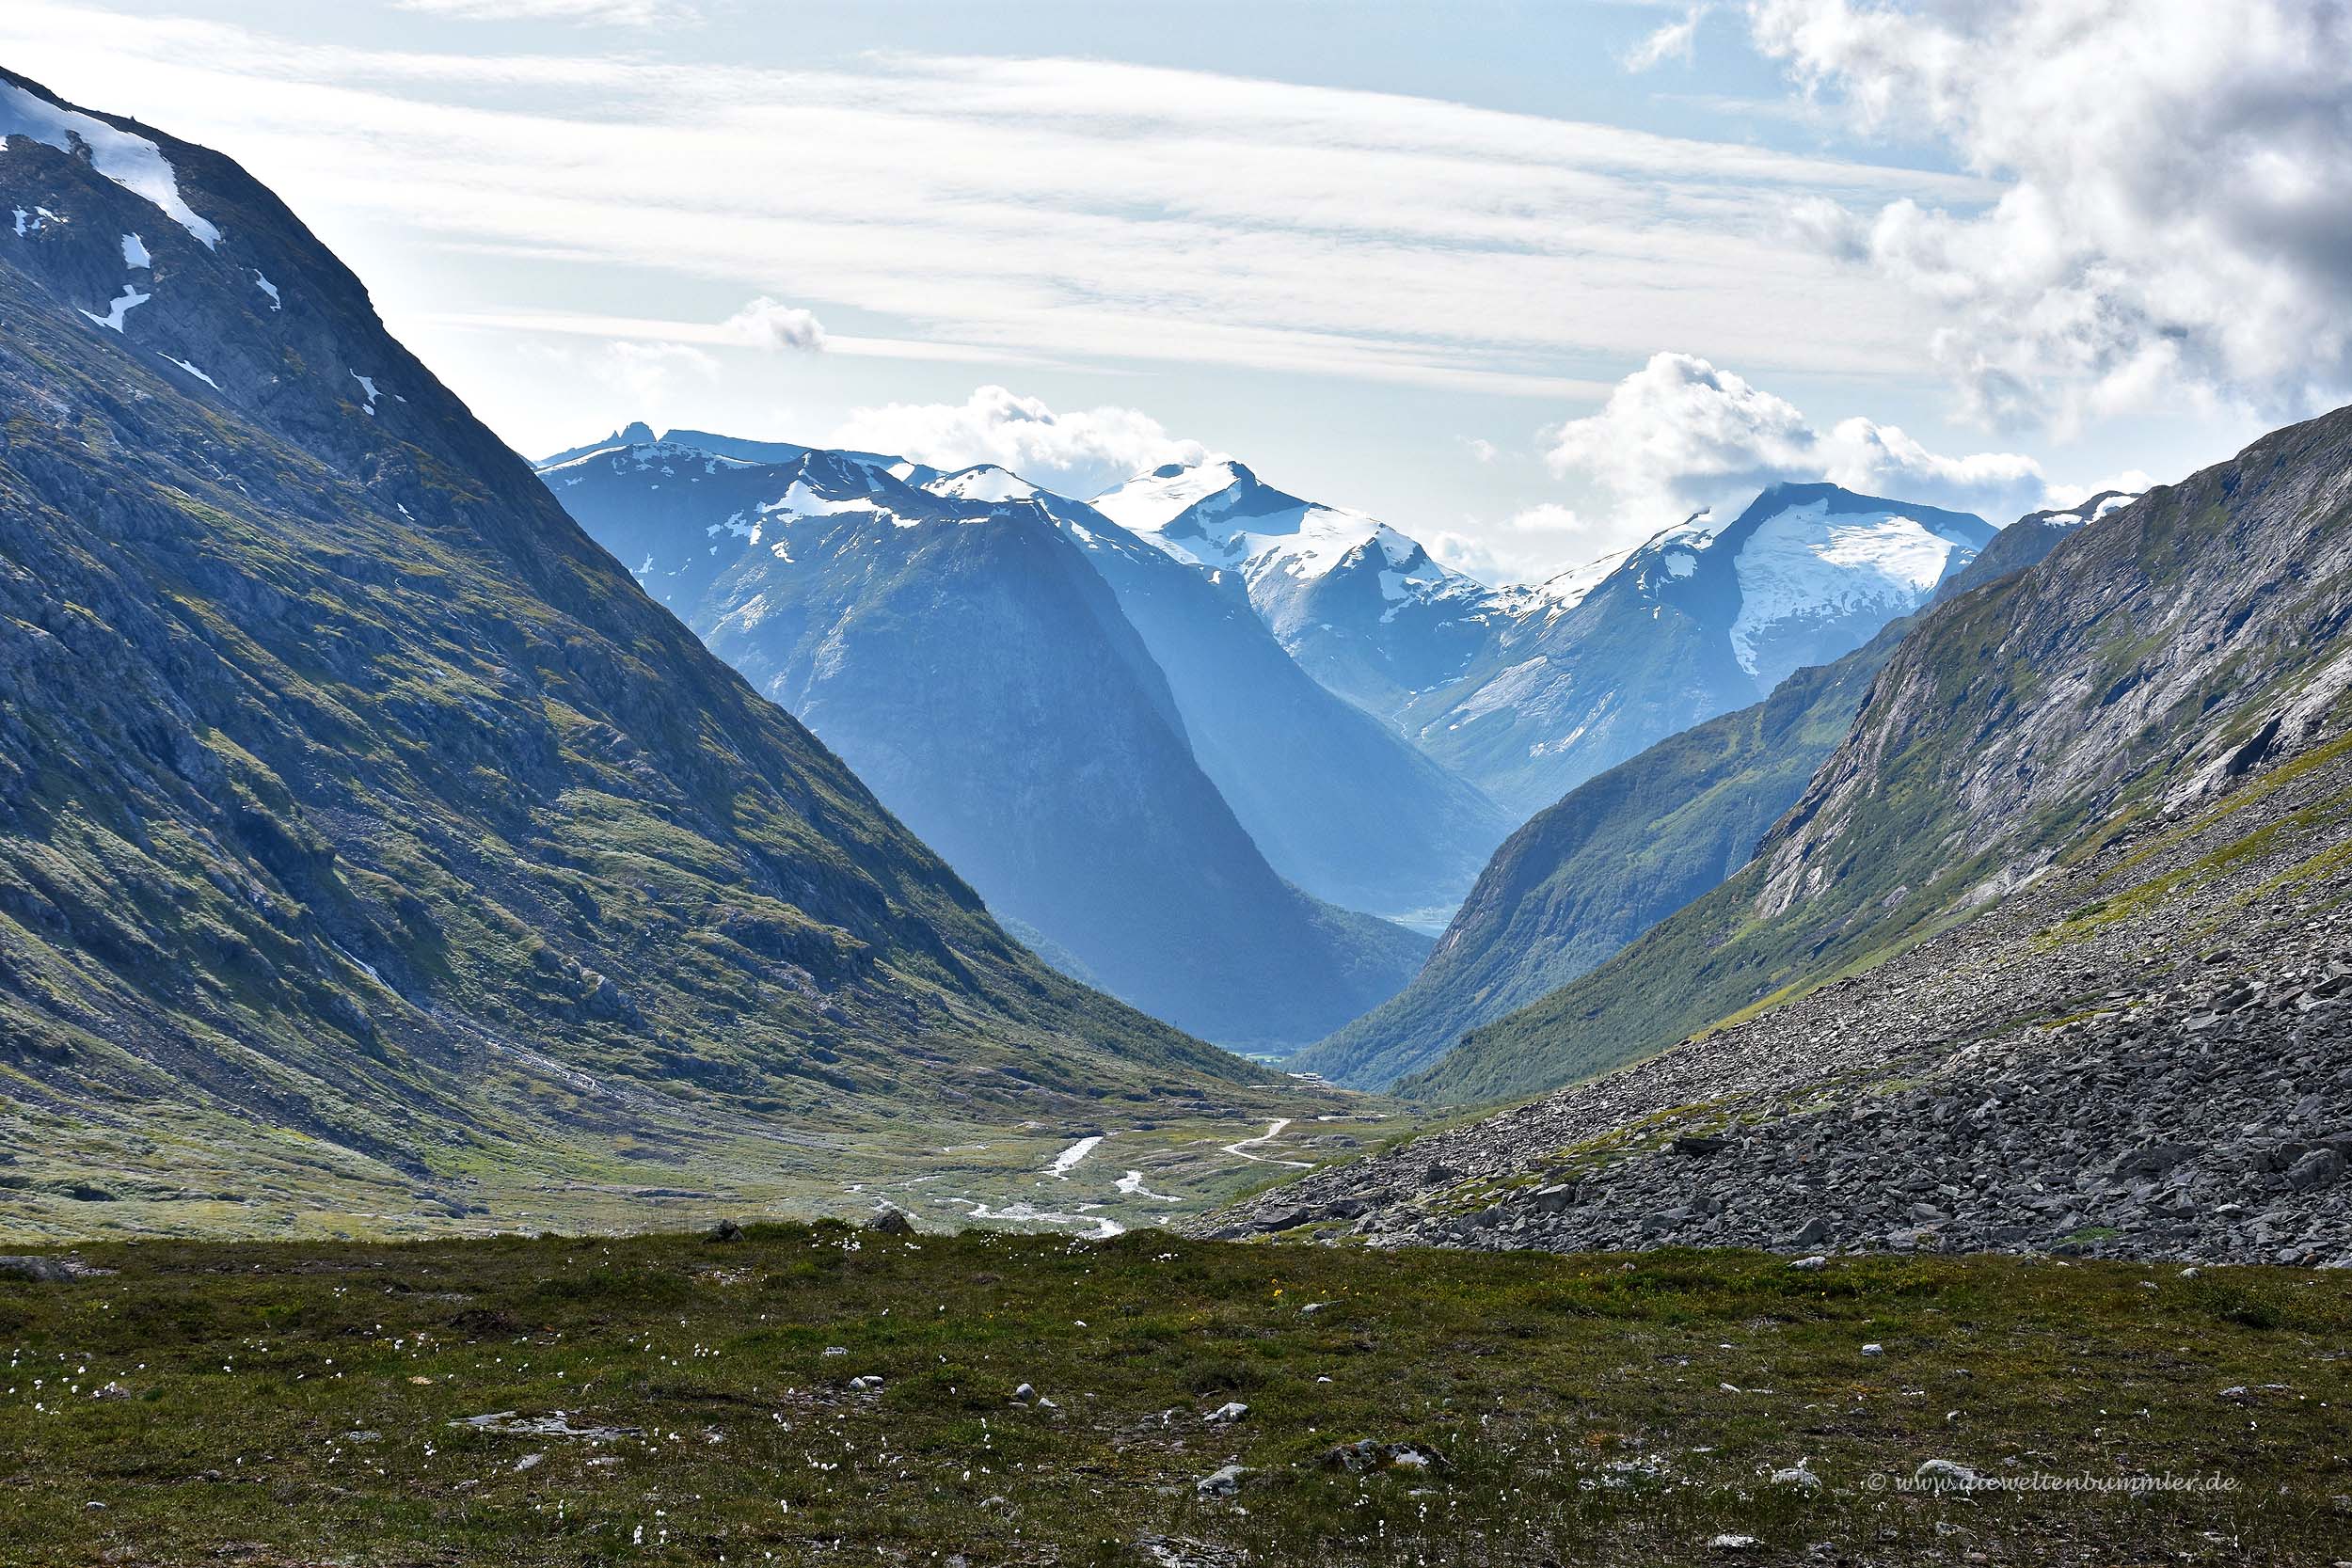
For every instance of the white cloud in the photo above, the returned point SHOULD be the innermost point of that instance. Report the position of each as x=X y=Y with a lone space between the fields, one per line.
x=1084 y=209
x=1530 y=546
x=610 y=13
x=1471 y=555
x=1680 y=436
x=1480 y=447
x=765 y=324
x=1547 y=517
x=1080 y=453
x=2172 y=224
x=648 y=373
x=1675 y=41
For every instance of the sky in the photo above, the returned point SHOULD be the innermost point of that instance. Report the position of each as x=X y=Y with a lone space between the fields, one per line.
x=1529 y=281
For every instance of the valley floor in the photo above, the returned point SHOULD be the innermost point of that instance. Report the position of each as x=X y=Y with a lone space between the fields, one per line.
x=1076 y=1165
x=820 y=1394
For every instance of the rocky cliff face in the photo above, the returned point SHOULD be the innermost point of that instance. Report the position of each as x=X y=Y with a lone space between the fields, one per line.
x=2149 y=660
x=358 y=813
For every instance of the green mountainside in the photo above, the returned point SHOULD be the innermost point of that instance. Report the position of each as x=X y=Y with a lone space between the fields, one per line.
x=2154 y=655
x=363 y=824
x=1619 y=854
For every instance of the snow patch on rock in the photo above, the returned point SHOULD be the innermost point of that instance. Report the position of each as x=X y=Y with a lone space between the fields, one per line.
x=124 y=303
x=136 y=164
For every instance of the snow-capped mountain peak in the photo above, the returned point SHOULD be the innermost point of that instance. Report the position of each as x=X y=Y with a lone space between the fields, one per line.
x=982 y=482
x=625 y=455
x=1150 y=502
x=1810 y=556
x=1218 y=515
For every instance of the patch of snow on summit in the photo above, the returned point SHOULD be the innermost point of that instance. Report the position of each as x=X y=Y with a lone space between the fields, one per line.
x=1150 y=502
x=136 y=164
x=1807 y=562
x=1569 y=589
x=987 y=483
x=134 y=253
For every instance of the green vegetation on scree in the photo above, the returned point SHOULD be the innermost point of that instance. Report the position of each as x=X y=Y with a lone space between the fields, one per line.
x=276 y=1403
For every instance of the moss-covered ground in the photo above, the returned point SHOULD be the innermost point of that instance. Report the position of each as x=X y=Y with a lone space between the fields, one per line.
x=677 y=1400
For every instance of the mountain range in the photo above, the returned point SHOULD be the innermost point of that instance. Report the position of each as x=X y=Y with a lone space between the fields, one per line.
x=1526 y=692
x=1631 y=846
x=951 y=637
x=377 y=833
x=364 y=826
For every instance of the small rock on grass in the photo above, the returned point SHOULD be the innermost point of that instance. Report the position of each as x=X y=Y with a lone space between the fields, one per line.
x=48 y=1271
x=1222 y=1482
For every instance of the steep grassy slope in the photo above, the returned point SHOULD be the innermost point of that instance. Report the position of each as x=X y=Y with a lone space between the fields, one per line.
x=1619 y=854
x=2154 y=655
x=357 y=811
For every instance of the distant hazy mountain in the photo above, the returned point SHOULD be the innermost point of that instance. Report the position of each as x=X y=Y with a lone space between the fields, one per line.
x=1362 y=606
x=1598 y=665
x=1526 y=692
x=1339 y=802
x=362 y=817
x=959 y=648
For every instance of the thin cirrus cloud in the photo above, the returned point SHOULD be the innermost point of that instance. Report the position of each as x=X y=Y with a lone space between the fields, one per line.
x=1673 y=41
x=609 y=13
x=1083 y=210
